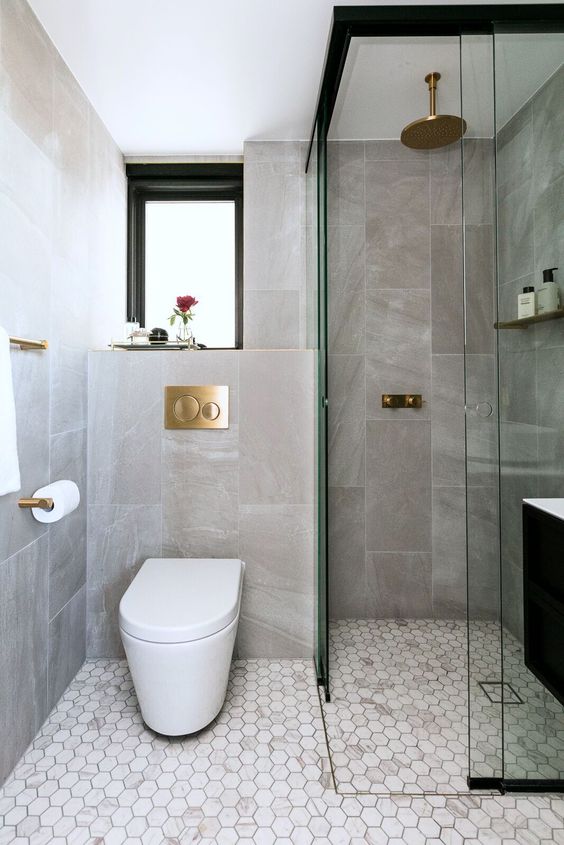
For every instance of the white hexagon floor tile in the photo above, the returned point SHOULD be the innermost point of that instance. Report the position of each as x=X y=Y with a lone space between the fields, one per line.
x=95 y=775
x=398 y=716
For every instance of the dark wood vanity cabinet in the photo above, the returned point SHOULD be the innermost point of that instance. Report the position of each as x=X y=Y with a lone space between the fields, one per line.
x=543 y=592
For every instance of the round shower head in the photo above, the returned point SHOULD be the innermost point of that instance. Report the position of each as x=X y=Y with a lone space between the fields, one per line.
x=436 y=130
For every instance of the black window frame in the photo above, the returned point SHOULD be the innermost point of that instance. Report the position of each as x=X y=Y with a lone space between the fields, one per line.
x=204 y=182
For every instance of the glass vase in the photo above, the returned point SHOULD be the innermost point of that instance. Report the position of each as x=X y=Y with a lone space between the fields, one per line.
x=184 y=333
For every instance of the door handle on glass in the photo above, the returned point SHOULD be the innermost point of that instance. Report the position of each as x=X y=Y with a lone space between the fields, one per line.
x=482 y=409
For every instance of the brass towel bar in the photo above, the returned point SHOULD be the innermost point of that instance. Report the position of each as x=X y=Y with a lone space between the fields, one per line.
x=24 y=343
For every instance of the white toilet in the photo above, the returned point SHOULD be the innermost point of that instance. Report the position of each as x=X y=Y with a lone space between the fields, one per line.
x=178 y=620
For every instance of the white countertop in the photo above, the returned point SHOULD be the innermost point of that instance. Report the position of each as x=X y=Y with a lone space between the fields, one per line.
x=555 y=507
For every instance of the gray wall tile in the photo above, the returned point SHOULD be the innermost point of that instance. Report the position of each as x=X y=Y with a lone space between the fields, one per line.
x=272 y=224
x=397 y=224
x=449 y=552
x=67 y=645
x=67 y=538
x=345 y=183
x=276 y=543
x=398 y=485
x=347 y=567
x=275 y=450
x=447 y=428
x=399 y=585
x=272 y=319
x=120 y=539
x=398 y=349
x=447 y=289
x=23 y=657
x=446 y=185
x=126 y=418
x=200 y=487
x=346 y=420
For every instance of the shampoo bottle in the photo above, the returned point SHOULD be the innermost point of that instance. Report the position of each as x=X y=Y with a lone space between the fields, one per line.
x=526 y=303
x=548 y=296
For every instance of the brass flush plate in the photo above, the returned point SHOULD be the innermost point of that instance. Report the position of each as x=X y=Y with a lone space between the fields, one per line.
x=197 y=406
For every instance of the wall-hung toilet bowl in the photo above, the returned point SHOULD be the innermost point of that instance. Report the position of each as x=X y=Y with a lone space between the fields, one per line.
x=178 y=620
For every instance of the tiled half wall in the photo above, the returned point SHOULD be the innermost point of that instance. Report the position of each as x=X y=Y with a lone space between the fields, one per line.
x=242 y=492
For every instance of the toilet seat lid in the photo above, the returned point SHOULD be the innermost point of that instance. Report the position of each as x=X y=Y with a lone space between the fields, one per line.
x=178 y=600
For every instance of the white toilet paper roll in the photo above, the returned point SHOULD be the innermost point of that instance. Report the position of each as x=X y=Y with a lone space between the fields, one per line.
x=66 y=498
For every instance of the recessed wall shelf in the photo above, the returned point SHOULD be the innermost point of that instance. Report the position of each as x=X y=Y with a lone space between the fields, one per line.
x=525 y=322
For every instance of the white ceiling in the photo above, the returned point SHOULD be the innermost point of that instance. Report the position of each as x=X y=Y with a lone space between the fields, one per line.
x=180 y=77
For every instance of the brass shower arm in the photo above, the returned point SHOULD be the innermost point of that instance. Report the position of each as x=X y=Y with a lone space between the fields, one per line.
x=432 y=79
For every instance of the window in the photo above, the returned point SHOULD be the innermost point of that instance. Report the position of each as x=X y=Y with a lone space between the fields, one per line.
x=185 y=237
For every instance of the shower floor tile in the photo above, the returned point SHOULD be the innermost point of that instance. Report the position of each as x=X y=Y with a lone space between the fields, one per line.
x=259 y=774
x=397 y=721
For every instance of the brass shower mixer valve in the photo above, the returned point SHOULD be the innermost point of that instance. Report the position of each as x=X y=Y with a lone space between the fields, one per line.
x=402 y=400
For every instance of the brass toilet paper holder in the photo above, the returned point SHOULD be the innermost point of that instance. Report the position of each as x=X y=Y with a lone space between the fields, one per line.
x=44 y=504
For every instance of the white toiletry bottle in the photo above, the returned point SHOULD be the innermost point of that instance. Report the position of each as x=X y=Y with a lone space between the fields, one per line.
x=548 y=296
x=526 y=303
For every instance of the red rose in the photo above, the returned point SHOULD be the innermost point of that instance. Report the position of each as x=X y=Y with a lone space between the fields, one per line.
x=185 y=303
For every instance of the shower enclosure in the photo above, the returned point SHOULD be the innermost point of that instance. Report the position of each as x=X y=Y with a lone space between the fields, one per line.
x=437 y=415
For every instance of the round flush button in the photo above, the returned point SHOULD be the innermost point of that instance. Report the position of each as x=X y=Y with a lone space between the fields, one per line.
x=210 y=411
x=186 y=408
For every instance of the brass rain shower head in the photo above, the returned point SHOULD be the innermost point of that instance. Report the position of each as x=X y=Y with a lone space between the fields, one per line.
x=437 y=130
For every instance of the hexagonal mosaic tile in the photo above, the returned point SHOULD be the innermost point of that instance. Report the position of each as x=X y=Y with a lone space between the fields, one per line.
x=398 y=716
x=259 y=774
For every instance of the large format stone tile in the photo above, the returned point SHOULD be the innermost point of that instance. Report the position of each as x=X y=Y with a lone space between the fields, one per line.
x=345 y=258
x=125 y=423
x=67 y=645
x=480 y=304
x=30 y=373
x=346 y=420
x=120 y=539
x=548 y=129
x=483 y=553
x=346 y=319
x=478 y=176
x=276 y=543
x=67 y=538
x=447 y=427
x=347 y=568
x=398 y=585
x=23 y=657
x=276 y=428
x=446 y=185
x=200 y=487
x=68 y=352
x=481 y=431
x=398 y=349
x=449 y=552
x=272 y=225
x=346 y=305
x=26 y=177
x=549 y=234
x=514 y=153
x=272 y=319
x=397 y=224
x=392 y=151
x=447 y=289
x=398 y=485
x=515 y=235
x=28 y=59
x=345 y=183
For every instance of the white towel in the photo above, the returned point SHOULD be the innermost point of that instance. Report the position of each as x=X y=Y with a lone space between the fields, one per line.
x=9 y=465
